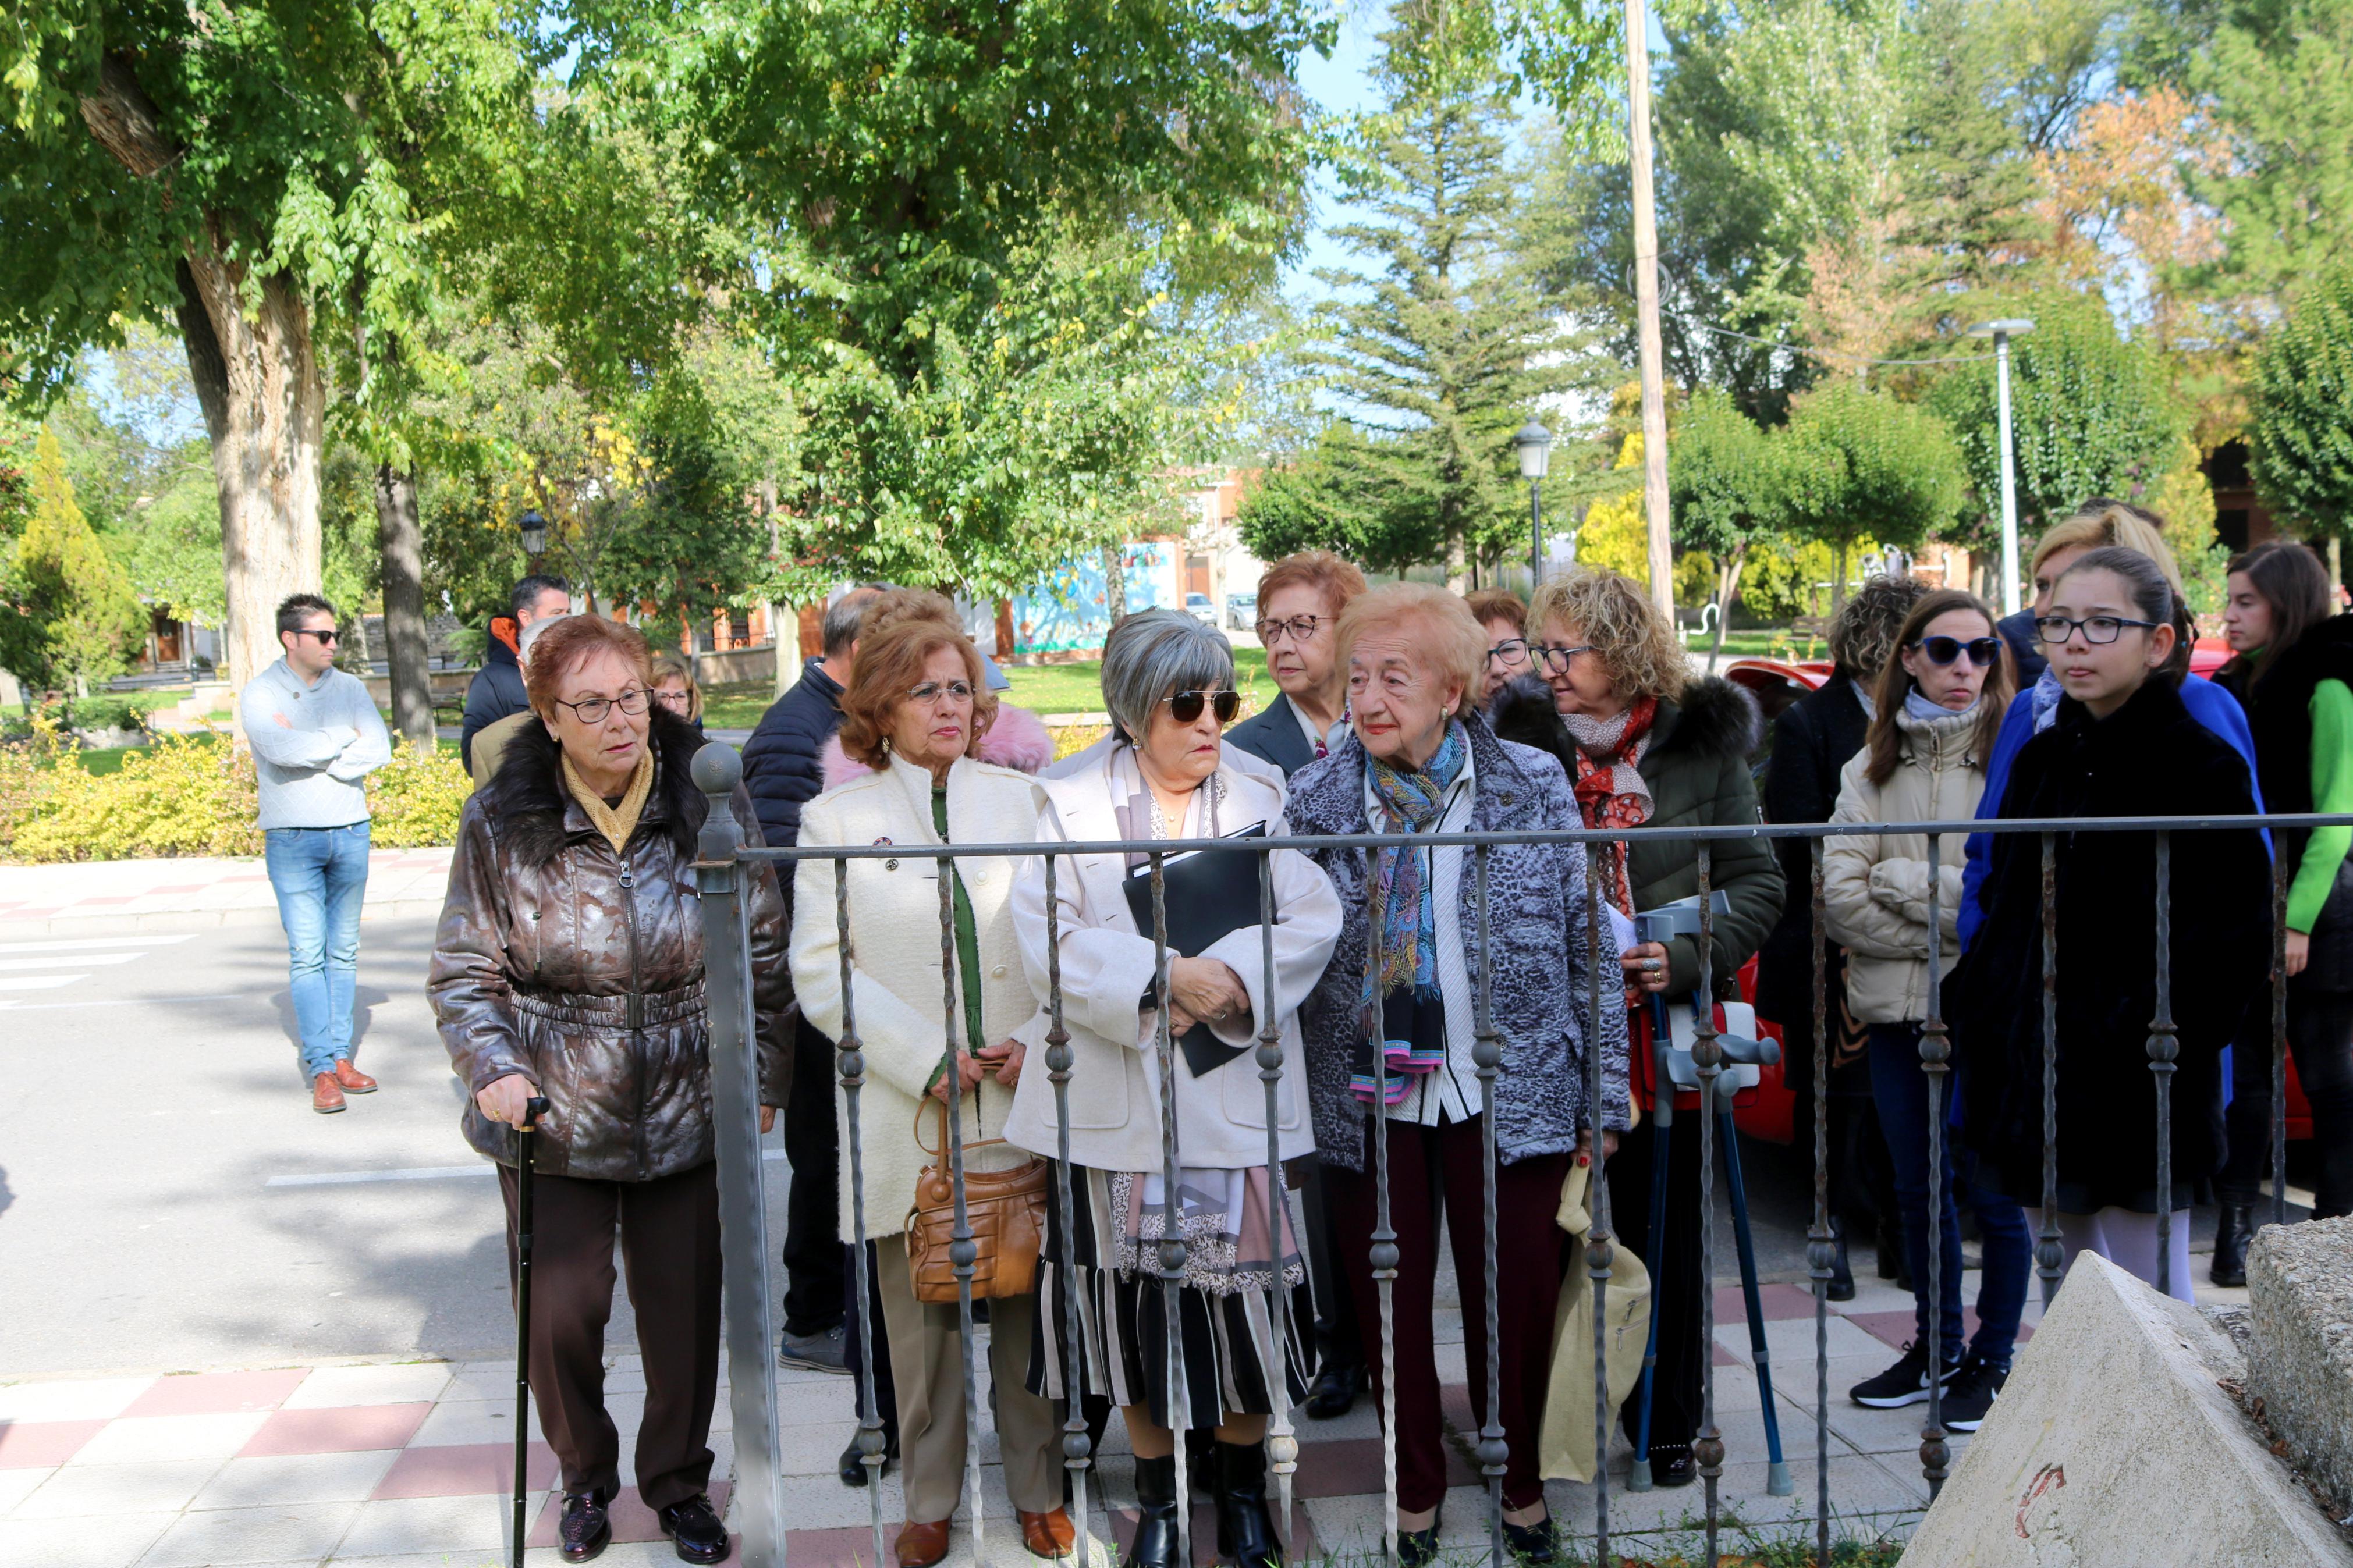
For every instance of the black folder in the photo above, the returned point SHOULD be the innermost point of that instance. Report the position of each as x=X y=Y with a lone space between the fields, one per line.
x=1207 y=896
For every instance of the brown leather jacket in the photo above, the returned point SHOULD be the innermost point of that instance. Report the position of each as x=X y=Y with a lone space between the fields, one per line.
x=545 y=936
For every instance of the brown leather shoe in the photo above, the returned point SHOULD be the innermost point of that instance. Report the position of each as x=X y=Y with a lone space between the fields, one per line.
x=1047 y=1534
x=353 y=1081
x=921 y=1545
x=326 y=1099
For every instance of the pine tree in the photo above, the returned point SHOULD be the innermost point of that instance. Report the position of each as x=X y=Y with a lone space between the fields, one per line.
x=74 y=595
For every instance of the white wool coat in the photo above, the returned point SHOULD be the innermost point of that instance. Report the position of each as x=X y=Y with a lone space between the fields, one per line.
x=898 y=991
x=1876 y=888
x=1107 y=966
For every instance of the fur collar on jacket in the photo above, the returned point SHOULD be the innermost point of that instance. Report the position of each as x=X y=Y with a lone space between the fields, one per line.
x=1713 y=718
x=1019 y=740
x=531 y=812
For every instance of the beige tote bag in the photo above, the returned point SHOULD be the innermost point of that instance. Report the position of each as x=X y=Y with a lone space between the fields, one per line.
x=1567 y=1444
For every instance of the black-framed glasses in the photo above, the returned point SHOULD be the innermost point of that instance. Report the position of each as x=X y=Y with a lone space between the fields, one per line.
x=327 y=636
x=1982 y=651
x=1185 y=707
x=676 y=701
x=2096 y=628
x=929 y=692
x=1510 y=651
x=1555 y=660
x=1299 y=628
x=592 y=710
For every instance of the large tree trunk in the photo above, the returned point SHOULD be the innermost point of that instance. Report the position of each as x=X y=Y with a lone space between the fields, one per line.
x=1114 y=566
x=1457 y=576
x=400 y=551
x=258 y=381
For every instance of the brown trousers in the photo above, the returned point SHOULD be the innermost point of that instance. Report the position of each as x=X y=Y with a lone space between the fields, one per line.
x=1435 y=1171
x=669 y=1245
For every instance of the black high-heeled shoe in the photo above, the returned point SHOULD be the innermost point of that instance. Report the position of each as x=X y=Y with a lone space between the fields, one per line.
x=1246 y=1534
x=1155 y=1505
x=1419 y=1548
x=1536 y=1544
x=1842 y=1274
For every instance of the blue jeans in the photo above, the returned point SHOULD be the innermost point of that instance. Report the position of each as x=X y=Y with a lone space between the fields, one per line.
x=320 y=875
x=1900 y=1089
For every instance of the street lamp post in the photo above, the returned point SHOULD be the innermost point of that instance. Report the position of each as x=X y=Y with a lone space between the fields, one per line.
x=2002 y=331
x=1535 y=443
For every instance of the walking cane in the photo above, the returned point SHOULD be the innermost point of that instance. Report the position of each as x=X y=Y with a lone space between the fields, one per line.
x=526 y=1136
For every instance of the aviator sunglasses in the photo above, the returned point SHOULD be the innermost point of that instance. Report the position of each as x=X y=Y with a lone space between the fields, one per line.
x=1185 y=707
x=1982 y=651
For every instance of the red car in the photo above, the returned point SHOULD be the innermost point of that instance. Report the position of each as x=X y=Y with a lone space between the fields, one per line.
x=1770 y=1111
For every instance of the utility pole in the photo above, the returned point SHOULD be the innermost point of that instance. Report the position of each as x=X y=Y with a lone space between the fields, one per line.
x=1646 y=302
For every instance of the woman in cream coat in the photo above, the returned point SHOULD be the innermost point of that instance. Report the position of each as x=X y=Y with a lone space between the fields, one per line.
x=1168 y=685
x=915 y=710
x=1937 y=711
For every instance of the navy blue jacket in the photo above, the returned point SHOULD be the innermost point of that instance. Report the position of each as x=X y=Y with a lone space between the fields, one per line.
x=781 y=760
x=496 y=693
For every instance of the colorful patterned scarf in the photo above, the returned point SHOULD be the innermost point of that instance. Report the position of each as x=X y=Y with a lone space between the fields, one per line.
x=1405 y=948
x=1611 y=789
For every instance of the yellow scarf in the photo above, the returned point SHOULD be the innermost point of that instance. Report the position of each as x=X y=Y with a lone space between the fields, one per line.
x=616 y=822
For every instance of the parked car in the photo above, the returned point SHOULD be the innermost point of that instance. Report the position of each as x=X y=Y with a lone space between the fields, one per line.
x=1241 y=611
x=1200 y=607
x=1769 y=1111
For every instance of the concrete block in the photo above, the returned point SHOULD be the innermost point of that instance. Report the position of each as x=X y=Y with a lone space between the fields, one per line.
x=2300 y=1344
x=2115 y=1446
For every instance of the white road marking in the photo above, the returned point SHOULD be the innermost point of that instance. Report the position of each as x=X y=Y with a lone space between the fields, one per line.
x=414 y=1174
x=10 y=1004
x=83 y=945
x=15 y=964
x=40 y=982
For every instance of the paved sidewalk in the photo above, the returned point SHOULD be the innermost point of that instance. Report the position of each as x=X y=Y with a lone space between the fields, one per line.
x=402 y=1464
x=201 y=889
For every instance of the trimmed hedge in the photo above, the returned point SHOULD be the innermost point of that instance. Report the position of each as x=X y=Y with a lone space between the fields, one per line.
x=191 y=794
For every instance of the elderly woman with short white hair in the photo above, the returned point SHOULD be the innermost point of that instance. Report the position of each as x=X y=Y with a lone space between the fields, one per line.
x=1168 y=683
x=1420 y=759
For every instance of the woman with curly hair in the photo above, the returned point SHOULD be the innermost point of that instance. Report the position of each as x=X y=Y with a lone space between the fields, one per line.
x=1646 y=745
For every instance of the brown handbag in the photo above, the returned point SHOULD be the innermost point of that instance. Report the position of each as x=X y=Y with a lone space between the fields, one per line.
x=1006 y=1211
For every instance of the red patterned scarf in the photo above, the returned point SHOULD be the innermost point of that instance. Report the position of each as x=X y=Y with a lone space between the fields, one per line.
x=1610 y=791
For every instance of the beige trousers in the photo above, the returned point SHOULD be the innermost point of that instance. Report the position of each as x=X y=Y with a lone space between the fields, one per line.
x=927 y=1366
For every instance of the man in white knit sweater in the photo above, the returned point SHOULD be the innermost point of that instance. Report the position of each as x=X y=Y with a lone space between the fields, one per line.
x=316 y=735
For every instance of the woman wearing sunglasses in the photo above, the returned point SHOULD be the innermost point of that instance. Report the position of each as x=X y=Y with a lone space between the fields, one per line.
x=2124 y=744
x=1935 y=713
x=1168 y=685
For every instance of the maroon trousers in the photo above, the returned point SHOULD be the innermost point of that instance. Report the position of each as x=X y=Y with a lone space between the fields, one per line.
x=669 y=1230
x=1436 y=1171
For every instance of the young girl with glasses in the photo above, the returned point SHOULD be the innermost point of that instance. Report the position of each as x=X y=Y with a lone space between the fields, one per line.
x=2122 y=744
x=1936 y=708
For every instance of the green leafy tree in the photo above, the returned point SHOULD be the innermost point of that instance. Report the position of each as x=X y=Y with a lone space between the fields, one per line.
x=1858 y=464
x=2279 y=75
x=264 y=180
x=2092 y=413
x=1724 y=490
x=1341 y=494
x=1438 y=346
x=2303 y=444
x=77 y=615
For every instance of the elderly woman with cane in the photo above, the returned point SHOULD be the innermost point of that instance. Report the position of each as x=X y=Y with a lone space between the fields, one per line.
x=1393 y=1030
x=915 y=712
x=569 y=968
x=1168 y=682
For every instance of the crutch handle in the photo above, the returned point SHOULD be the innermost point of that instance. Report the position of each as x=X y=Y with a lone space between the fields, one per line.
x=533 y=1109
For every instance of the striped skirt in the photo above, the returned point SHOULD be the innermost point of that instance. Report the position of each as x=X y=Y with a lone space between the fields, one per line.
x=1227 y=1338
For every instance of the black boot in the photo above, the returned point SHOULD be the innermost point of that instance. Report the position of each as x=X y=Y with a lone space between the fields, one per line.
x=1155 y=1507
x=1245 y=1531
x=2234 y=1230
x=1842 y=1274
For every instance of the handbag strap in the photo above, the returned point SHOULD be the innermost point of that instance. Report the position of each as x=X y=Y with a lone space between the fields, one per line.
x=941 y=1106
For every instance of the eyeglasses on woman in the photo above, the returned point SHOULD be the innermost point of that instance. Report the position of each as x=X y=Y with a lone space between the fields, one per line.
x=1981 y=651
x=592 y=710
x=929 y=692
x=2096 y=628
x=1299 y=628
x=1185 y=707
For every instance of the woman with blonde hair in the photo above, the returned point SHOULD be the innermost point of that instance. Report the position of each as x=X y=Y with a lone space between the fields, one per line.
x=914 y=713
x=1647 y=745
x=675 y=688
x=2099 y=523
x=1419 y=757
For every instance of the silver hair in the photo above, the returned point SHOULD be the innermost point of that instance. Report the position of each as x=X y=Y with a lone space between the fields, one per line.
x=840 y=628
x=532 y=634
x=1152 y=654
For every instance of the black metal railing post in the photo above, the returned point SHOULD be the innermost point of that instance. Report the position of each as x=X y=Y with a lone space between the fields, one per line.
x=1078 y=1447
x=2050 y=1257
x=1598 y=1254
x=1707 y=1056
x=1281 y=1444
x=2277 y=1132
x=2164 y=1051
x=1487 y=1057
x=963 y=1251
x=1822 y=1243
x=1172 y=1252
x=1935 y=1055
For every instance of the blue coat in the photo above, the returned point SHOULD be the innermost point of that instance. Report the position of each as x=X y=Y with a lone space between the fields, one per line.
x=2212 y=706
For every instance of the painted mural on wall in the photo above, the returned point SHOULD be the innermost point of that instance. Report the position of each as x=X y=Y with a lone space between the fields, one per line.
x=1070 y=609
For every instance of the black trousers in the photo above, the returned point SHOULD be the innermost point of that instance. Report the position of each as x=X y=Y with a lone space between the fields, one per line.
x=2320 y=1038
x=1673 y=1262
x=1338 y=1347
x=816 y=1262
x=669 y=1231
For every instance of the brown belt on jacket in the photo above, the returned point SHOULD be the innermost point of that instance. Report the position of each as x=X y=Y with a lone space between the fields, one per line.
x=630 y=1010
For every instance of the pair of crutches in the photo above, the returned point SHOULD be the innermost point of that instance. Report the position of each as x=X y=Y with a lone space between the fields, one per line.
x=526 y=1137
x=1682 y=919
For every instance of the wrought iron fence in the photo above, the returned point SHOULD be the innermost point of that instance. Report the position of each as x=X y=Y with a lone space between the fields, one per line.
x=724 y=855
